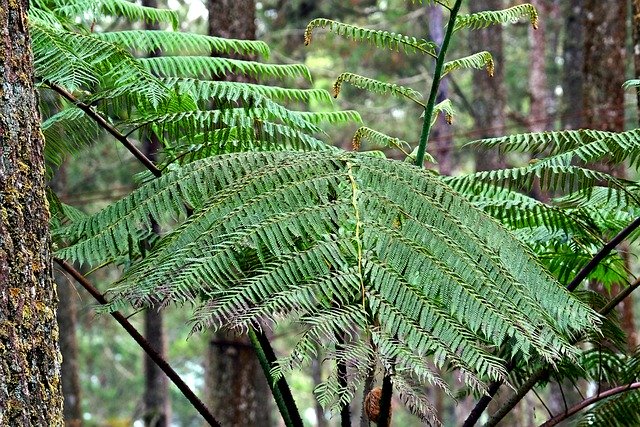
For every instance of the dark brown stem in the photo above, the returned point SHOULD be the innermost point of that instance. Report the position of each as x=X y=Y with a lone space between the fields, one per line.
x=109 y=128
x=143 y=343
x=590 y=401
x=384 y=420
x=345 y=412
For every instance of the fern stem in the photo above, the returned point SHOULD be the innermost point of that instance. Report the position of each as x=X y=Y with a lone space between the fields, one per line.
x=590 y=401
x=280 y=389
x=384 y=419
x=109 y=128
x=435 y=85
x=143 y=343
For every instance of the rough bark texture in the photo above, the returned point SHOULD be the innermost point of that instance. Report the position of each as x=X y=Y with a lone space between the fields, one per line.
x=30 y=387
x=489 y=92
x=237 y=391
x=157 y=404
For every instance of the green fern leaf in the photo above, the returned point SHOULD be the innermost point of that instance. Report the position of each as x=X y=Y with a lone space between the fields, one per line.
x=487 y=18
x=183 y=43
x=478 y=61
x=115 y=8
x=373 y=85
x=379 y=38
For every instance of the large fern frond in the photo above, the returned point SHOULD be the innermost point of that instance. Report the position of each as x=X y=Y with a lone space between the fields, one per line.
x=173 y=42
x=116 y=8
x=298 y=234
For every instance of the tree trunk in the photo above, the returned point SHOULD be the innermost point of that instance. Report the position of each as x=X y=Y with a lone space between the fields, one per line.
x=31 y=393
x=236 y=389
x=573 y=59
x=157 y=405
x=489 y=92
x=67 y=323
x=604 y=51
x=538 y=88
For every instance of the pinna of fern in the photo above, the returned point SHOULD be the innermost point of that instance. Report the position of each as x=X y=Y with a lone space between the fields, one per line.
x=292 y=234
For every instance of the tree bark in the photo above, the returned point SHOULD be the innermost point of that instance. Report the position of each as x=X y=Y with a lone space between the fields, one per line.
x=30 y=359
x=236 y=389
x=489 y=92
x=573 y=59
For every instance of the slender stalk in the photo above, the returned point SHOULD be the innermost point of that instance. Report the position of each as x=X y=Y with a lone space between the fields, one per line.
x=102 y=122
x=384 y=419
x=437 y=75
x=482 y=404
x=590 y=401
x=280 y=389
x=143 y=343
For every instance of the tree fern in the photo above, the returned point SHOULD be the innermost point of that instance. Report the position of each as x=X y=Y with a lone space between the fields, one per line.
x=296 y=234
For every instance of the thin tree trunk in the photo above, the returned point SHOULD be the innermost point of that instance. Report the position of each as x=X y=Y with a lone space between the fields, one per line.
x=31 y=393
x=67 y=323
x=538 y=87
x=573 y=60
x=237 y=391
x=157 y=405
x=604 y=51
x=489 y=92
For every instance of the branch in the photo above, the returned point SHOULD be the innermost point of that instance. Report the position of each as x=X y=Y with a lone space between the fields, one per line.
x=143 y=343
x=109 y=128
x=590 y=401
x=482 y=404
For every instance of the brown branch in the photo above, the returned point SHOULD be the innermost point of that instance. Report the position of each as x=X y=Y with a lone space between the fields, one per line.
x=101 y=121
x=590 y=401
x=143 y=343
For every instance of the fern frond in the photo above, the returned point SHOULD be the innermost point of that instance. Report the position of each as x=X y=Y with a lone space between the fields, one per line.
x=496 y=17
x=478 y=61
x=379 y=38
x=295 y=235
x=631 y=83
x=332 y=117
x=212 y=67
x=378 y=138
x=116 y=8
x=183 y=43
x=443 y=107
x=373 y=85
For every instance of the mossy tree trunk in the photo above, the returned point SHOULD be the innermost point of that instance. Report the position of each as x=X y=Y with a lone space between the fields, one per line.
x=31 y=393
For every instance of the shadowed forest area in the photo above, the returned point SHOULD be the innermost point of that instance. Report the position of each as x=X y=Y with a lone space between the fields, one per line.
x=319 y=213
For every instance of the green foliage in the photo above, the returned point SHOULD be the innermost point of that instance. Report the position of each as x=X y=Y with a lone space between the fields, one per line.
x=478 y=61
x=378 y=38
x=375 y=86
x=303 y=234
x=497 y=17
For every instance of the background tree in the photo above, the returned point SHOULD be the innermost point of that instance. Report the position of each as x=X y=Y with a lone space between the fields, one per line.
x=30 y=365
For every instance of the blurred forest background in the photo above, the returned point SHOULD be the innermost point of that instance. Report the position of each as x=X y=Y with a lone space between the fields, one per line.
x=568 y=74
